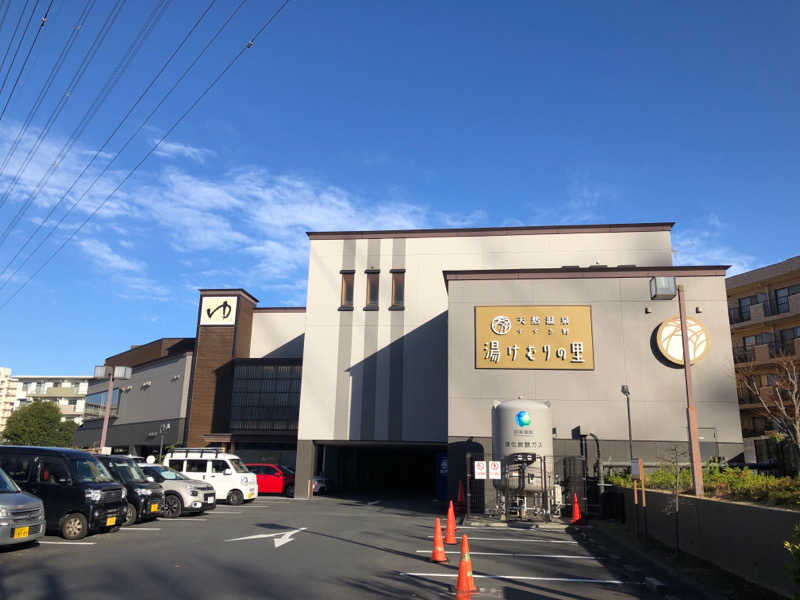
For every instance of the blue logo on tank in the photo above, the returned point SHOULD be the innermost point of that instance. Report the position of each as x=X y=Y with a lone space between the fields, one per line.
x=523 y=418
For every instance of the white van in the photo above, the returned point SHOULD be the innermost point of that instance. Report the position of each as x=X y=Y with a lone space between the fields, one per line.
x=226 y=472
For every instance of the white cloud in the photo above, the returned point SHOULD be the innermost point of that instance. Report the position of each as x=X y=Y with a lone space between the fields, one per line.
x=105 y=258
x=176 y=149
x=702 y=246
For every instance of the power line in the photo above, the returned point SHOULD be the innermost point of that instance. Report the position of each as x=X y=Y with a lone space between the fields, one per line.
x=5 y=12
x=131 y=52
x=108 y=139
x=180 y=119
x=19 y=45
x=73 y=83
x=11 y=40
x=71 y=39
x=27 y=56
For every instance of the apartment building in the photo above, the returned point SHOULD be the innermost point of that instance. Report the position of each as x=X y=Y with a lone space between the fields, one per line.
x=8 y=395
x=764 y=314
x=68 y=392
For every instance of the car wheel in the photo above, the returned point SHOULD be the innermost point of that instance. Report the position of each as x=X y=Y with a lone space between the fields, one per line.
x=235 y=498
x=289 y=491
x=173 y=506
x=130 y=515
x=74 y=527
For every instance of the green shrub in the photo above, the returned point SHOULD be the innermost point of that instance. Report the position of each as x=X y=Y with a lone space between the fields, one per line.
x=723 y=482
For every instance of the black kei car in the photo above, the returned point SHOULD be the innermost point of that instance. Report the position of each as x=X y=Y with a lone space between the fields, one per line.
x=78 y=492
x=145 y=499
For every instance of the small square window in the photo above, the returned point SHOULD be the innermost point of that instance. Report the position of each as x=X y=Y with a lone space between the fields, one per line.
x=398 y=290
x=372 y=290
x=347 y=290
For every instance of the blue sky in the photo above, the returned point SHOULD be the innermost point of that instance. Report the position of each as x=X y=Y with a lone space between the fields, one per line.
x=365 y=115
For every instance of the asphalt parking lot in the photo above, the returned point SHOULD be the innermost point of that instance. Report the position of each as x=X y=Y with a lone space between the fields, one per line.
x=277 y=547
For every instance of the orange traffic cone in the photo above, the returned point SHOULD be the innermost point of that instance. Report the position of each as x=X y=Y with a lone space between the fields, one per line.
x=438 y=554
x=576 y=510
x=450 y=534
x=461 y=503
x=465 y=557
x=465 y=585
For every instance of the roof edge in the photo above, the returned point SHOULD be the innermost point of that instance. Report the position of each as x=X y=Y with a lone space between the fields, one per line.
x=228 y=291
x=597 y=272
x=280 y=309
x=491 y=231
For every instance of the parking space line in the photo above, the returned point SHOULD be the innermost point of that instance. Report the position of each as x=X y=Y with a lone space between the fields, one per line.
x=223 y=512
x=519 y=577
x=189 y=520
x=70 y=543
x=140 y=529
x=430 y=537
x=577 y=556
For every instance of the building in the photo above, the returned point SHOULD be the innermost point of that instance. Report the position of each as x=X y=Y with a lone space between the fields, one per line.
x=147 y=410
x=408 y=337
x=65 y=391
x=764 y=310
x=8 y=395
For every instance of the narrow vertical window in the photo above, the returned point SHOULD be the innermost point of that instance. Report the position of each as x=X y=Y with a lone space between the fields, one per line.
x=398 y=289
x=347 y=290
x=372 y=289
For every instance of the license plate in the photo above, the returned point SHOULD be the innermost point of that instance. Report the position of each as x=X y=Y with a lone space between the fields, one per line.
x=154 y=508
x=209 y=499
x=21 y=532
x=249 y=495
x=111 y=521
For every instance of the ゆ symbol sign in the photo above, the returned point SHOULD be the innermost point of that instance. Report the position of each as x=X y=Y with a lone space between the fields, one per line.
x=226 y=310
x=501 y=325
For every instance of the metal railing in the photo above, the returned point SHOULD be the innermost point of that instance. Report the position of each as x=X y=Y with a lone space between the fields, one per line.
x=743 y=355
x=735 y=315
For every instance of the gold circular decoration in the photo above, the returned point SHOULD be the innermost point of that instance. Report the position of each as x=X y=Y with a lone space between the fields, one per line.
x=670 y=343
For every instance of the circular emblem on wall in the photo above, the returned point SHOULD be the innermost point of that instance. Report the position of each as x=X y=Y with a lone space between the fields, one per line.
x=501 y=325
x=523 y=418
x=670 y=342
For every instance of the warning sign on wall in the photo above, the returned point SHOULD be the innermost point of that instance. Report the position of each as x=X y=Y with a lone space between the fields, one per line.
x=480 y=469
x=494 y=469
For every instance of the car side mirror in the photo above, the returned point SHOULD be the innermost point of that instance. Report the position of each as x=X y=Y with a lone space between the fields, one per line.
x=150 y=479
x=227 y=472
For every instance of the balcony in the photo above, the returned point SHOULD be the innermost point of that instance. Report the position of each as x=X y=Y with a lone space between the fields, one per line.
x=764 y=353
x=771 y=310
x=743 y=355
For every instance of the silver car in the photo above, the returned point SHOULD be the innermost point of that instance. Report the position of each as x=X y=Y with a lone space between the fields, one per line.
x=181 y=494
x=21 y=514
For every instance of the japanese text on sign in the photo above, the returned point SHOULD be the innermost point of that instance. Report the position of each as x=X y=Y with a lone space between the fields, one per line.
x=480 y=469
x=533 y=337
x=494 y=469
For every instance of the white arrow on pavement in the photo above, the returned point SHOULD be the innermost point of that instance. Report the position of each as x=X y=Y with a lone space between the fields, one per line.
x=280 y=538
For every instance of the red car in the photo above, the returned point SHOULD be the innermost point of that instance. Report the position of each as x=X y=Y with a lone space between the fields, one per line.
x=272 y=479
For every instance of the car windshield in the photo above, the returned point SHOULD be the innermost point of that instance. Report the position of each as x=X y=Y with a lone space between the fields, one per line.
x=238 y=466
x=289 y=470
x=90 y=470
x=164 y=473
x=129 y=471
x=6 y=485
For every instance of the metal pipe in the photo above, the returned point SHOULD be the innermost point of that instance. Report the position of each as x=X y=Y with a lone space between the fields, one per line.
x=469 y=495
x=691 y=415
x=630 y=434
x=108 y=409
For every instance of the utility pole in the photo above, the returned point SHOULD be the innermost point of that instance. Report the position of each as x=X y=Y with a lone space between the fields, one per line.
x=691 y=414
x=110 y=373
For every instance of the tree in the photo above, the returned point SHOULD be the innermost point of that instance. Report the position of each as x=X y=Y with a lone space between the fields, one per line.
x=780 y=400
x=38 y=424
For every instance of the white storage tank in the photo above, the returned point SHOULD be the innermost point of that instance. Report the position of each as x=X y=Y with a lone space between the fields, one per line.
x=522 y=427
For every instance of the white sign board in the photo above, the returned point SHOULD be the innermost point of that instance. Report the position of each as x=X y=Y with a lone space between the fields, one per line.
x=105 y=450
x=480 y=469
x=494 y=469
x=218 y=310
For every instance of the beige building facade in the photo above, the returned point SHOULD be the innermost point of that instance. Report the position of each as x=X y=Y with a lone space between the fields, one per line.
x=8 y=395
x=382 y=377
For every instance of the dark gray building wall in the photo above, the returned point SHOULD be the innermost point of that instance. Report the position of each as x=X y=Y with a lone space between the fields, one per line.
x=743 y=539
x=158 y=390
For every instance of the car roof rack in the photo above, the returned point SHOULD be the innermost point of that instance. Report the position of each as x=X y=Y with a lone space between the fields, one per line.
x=208 y=450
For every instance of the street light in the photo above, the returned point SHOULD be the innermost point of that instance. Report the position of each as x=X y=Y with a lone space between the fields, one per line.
x=627 y=393
x=665 y=288
x=110 y=373
x=162 y=428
